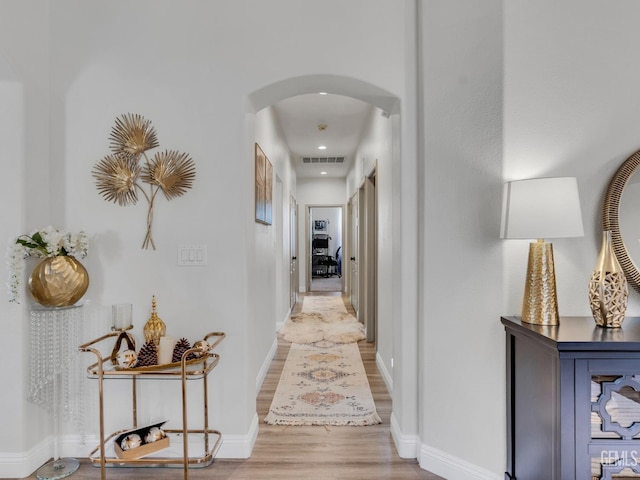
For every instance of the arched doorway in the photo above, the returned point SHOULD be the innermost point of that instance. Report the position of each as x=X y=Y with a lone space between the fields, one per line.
x=401 y=358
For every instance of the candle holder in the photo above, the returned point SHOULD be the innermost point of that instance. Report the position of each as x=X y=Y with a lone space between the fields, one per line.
x=122 y=317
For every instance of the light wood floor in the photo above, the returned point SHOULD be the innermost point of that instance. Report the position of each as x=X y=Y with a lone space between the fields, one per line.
x=301 y=453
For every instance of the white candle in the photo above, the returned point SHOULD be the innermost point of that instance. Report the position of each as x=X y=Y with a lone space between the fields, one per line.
x=165 y=350
x=122 y=314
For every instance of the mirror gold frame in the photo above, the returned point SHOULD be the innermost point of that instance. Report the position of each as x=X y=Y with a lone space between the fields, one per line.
x=610 y=220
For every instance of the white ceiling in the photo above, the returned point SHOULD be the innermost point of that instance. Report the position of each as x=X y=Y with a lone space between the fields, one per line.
x=345 y=118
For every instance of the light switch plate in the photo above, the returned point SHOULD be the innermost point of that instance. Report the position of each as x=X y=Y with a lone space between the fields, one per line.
x=190 y=254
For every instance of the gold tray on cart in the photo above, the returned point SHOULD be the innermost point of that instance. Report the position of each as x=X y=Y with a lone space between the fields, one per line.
x=195 y=367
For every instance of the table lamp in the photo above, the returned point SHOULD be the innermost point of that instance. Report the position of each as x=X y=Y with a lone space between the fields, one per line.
x=541 y=208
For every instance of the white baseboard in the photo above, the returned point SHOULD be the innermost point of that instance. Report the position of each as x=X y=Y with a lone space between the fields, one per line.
x=406 y=445
x=451 y=467
x=23 y=464
x=239 y=446
x=262 y=374
x=280 y=324
x=386 y=376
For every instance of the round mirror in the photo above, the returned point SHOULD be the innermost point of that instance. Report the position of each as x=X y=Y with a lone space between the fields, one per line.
x=620 y=215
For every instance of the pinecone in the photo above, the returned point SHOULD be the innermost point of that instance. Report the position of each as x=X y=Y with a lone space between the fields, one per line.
x=148 y=355
x=181 y=346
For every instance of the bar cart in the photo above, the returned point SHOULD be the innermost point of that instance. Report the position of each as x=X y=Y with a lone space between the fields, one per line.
x=187 y=369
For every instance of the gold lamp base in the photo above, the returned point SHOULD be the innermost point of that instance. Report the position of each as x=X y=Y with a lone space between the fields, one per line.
x=540 y=304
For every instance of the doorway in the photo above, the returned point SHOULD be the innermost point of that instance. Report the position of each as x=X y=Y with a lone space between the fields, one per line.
x=370 y=254
x=363 y=254
x=396 y=320
x=324 y=244
x=293 y=251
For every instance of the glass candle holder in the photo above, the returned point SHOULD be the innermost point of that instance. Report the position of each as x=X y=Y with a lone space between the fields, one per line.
x=122 y=316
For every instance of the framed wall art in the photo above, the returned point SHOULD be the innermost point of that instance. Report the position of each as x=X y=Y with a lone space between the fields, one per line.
x=264 y=187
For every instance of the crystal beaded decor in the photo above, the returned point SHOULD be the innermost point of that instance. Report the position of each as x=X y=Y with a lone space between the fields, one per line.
x=56 y=382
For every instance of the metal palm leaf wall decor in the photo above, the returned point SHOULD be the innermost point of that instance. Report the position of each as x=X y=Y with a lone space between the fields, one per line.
x=120 y=175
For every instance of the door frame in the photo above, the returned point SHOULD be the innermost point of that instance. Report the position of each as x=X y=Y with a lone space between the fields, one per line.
x=351 y=253
x=293 y=251
x=364 y=252
x=370 y=254
x=307 y=242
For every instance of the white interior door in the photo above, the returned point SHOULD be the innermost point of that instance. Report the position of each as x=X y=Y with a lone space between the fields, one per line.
x=293 y=251
x=362 y=260
x=370 y=276
x=354 y=288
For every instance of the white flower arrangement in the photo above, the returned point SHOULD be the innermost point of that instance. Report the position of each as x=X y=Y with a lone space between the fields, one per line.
x=42 y=243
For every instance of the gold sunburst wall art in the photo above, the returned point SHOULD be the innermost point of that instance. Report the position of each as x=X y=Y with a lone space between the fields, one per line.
x=128 y=171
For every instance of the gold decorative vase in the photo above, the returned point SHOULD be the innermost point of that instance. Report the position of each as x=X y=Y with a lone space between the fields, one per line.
x=155 y=327
x=608 y=288
x=58 y=281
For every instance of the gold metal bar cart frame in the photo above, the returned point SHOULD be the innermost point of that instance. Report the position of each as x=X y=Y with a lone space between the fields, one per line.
x=184 y=370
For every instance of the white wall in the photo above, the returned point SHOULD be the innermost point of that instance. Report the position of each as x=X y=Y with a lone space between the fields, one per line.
x=375 y=151
x=265 y=291
x=12 y=333
x=571 y=106
x=627 y=215
x=571 y=103
x=190 y=67
x=462 y=428
x=24 y=136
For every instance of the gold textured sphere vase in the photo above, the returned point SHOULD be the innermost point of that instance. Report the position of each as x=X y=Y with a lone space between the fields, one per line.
x=608 y=287
x=58 y=281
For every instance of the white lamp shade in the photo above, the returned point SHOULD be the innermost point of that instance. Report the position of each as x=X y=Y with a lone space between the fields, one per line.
x=541 y=208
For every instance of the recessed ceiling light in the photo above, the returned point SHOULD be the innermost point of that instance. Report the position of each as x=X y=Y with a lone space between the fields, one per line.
x=322 y=93
x=322 y=147
x=323 y=173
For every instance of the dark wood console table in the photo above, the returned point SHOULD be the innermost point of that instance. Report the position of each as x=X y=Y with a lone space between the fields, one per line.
x=573 y=400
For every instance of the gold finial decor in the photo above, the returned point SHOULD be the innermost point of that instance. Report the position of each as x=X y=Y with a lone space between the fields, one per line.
x=119 y=175
x=155 y=327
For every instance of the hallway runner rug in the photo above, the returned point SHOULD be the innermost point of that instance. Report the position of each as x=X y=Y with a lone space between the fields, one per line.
x=322 y=318
x=323 y=304
x=323 y=384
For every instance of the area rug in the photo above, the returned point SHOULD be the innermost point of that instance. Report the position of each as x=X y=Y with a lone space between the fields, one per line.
x=323 y=304
x=323 y=384
x=323 y=318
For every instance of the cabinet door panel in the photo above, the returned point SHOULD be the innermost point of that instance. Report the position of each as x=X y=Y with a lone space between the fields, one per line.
x=614 y=404
x=536 y=416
